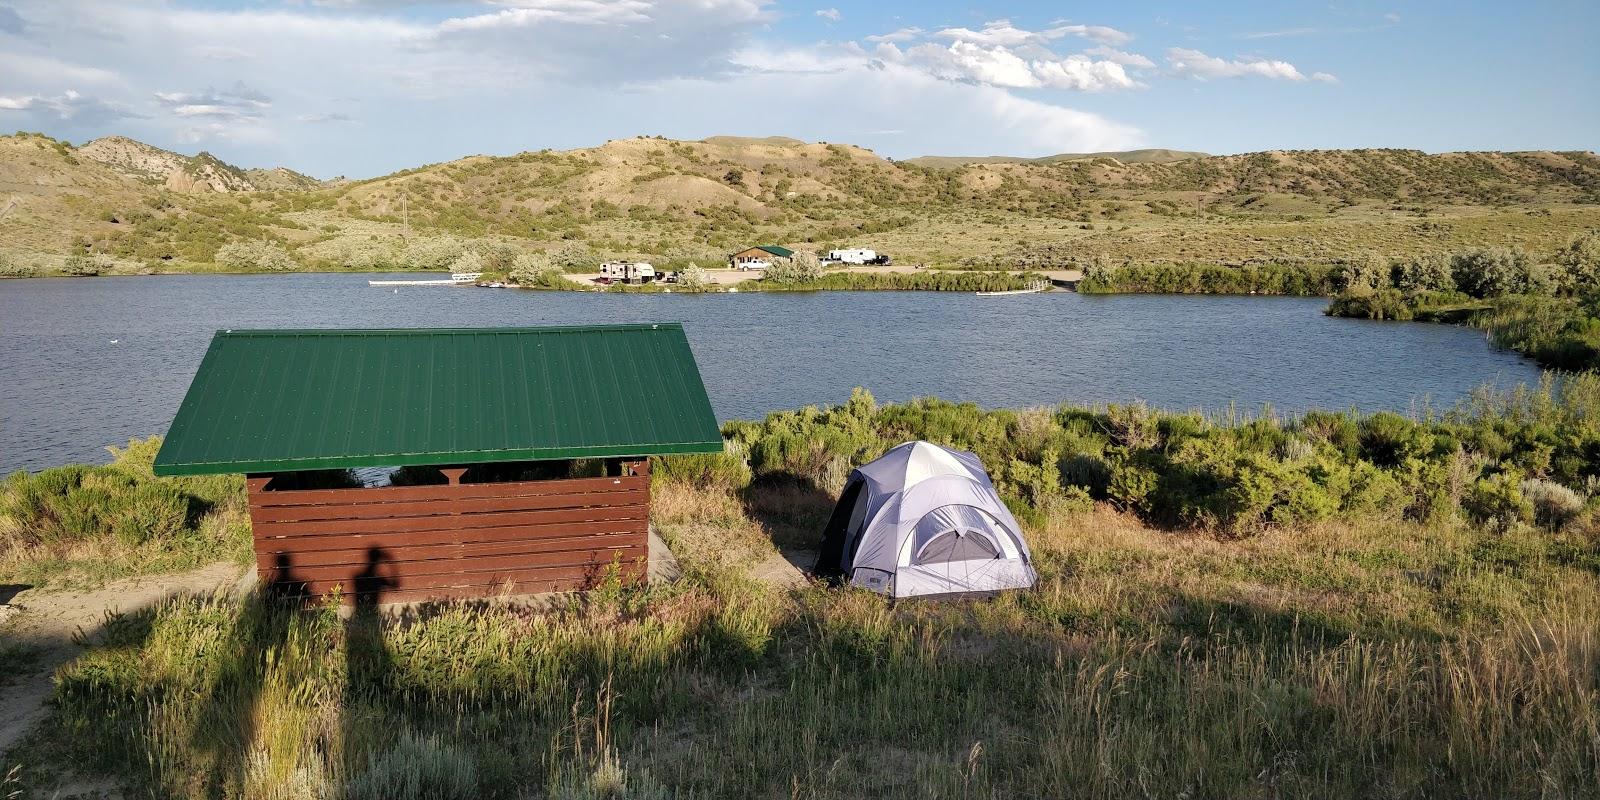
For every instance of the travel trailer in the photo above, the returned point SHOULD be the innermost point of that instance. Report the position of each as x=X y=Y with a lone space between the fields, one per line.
x=628 y=271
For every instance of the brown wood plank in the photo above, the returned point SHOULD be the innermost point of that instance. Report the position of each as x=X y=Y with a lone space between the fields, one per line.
x=524 y=533
x=581 y=574
x=466 y=491
x=491 y=590
x=422 y=508
x=465 y=568
x=267 y=554
x=462 y=521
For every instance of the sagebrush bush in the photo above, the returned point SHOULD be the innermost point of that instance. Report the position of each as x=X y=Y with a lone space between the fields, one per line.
x=1553 y=505
x=416 y=768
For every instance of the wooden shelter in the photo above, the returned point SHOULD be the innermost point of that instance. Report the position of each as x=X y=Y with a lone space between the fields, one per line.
x=523 y=452
x=759 y=257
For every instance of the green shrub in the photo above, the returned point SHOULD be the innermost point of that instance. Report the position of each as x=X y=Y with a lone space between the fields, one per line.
x=256 y=256
x=1498 y=500
x=727 y=469
x=804 y=267
x=1495 y=271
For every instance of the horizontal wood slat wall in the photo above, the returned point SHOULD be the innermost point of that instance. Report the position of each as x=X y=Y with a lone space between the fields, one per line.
x=409 y=543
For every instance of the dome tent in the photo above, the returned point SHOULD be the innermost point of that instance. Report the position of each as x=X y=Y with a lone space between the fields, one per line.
x=924 y=520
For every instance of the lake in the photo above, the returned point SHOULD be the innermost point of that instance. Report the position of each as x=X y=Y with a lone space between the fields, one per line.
x=85 y=363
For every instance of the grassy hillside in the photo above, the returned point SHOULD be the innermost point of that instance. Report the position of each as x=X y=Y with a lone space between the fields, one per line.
x=1147 y=156
x=125 y=207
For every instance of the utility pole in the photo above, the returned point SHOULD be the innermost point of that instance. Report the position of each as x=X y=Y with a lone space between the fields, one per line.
x=405 y=217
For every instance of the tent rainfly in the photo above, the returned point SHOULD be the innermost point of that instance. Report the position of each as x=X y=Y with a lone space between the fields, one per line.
x=503 y=430
x=924 y=520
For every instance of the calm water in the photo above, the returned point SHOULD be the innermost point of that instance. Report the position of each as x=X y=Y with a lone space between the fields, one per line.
x=66 y=390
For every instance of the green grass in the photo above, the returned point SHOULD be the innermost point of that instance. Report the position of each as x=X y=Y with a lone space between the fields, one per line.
x=1312 y=661
x=84 y=524
x=1405 y=649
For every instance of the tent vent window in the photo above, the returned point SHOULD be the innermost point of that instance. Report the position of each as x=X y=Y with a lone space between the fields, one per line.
x=957 y=546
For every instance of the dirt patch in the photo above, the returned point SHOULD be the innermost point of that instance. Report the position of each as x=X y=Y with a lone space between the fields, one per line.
x=53 y=623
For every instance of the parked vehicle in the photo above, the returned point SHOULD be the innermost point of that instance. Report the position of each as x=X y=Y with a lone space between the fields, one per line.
x=859 y=256
x=627 y=271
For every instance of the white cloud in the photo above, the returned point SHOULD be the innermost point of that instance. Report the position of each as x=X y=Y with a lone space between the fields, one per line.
x=830 y=14
x=933 y=115
x=522 y=75
x=1008 y=68
x=1083 y=74
x=622 y=12
x=234 y=103
x=1325 y=77
x=966 y=61
x=1001 y=32
x=1116 y=56
x=69 y=106
x=1199 y=65
x=900 y=35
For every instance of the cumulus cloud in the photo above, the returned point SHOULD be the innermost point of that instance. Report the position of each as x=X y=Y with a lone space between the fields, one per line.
x=830 y=14
x=1006 y=67
x=1199 y=65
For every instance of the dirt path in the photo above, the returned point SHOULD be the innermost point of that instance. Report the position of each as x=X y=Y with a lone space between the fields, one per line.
x=48 y=620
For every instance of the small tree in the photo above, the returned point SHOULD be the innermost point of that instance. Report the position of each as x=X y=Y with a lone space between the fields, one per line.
x=693 y=277
x=80 y=265
x=1492 y=271
x=1365 y=275
x=497 y=256
x=535 y=269
x=1580 y=263
x=573 y=257
x=803 y=267
x=1426 y=273
x=433 y=253
x=469 y=262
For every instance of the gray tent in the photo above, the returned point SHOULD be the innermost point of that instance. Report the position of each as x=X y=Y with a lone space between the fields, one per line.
x=924 y=520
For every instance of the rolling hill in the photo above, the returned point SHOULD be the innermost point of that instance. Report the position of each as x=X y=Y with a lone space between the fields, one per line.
x=1148 y=156
x=141 y=208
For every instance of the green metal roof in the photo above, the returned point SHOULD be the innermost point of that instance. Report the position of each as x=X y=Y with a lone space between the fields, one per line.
x=781 y=252
x=281 y=400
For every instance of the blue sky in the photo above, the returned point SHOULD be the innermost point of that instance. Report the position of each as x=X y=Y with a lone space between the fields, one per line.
x=363 y=87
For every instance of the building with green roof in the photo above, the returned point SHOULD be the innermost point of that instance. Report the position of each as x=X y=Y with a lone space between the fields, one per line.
x=522 y=452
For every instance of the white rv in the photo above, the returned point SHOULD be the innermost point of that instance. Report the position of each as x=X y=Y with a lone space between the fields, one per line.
x=628 y=271
x=857 y=255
